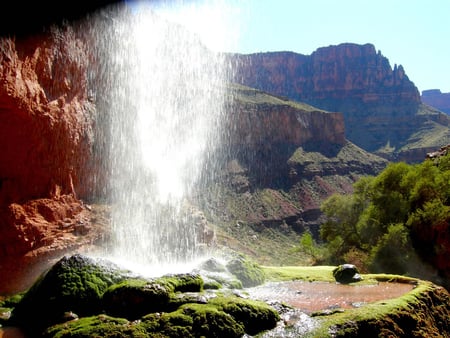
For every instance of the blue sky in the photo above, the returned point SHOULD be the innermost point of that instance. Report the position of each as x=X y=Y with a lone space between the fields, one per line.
x=413 y=33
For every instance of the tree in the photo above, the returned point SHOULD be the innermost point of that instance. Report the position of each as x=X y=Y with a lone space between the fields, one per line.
x=405 y=207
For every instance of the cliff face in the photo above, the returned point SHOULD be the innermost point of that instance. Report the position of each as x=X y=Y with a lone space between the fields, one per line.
x=257 y=119
x=379 y=103
x=263 y=131
x=437 y=99
x=280 y=160
x=46 y=138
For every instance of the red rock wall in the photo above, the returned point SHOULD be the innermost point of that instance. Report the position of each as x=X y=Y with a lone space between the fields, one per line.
x=342 y=72
x=356 y=80
x=45 y=135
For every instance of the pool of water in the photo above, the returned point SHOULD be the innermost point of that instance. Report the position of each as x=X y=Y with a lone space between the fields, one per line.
x=316 y=296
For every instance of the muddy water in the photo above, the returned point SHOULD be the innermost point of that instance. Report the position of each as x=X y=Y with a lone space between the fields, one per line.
x=315 y=296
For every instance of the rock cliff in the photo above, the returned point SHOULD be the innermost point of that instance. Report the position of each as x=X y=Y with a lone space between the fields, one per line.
x=280 y=160
x=437 y=99
x=46 y=142
x=380 y=104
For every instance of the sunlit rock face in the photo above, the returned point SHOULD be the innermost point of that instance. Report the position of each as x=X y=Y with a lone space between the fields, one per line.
x=272 y=124
x=355 y=80
x=45 y=135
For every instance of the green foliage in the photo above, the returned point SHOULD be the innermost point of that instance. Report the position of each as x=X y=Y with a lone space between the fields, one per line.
x=309 y=247
x=388 y=217
x=393 y=251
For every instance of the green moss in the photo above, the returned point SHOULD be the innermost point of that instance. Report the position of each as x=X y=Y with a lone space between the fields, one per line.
x=96 y=326
x=407 y=316
x=220 y=317
x=12 y=300
x=189 y=282
x=305 y=273
x=6 y=307
x=209 y=321
x=133 y=298
x=255 y=316
x=248 y=272
x=224 y=280
x=211 y=284
x=74 y=283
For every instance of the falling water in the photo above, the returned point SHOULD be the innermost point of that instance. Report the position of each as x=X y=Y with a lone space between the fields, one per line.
x=162 y=98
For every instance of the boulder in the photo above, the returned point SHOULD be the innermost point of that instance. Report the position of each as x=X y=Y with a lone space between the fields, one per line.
x=346 y=273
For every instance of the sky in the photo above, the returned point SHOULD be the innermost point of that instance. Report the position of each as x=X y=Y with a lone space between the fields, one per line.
x=411 y=33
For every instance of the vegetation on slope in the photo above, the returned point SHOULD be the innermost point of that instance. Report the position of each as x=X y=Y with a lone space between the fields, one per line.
x=248 y=95
x=393 y=221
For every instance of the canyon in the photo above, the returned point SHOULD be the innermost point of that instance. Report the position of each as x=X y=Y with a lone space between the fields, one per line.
x=382 y=107
x=51 y=168
x=297 y=129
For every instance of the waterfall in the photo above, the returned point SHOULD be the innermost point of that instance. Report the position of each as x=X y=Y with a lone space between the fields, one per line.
x=162 y=100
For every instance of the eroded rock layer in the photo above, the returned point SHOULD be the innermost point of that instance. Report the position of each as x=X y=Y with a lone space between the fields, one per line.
x=46 y=139
x=381 y=105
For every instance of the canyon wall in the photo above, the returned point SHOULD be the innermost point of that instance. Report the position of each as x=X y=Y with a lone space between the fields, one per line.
x=280 y=160
x=437 y=99
x=380 y=104
x=46 y=137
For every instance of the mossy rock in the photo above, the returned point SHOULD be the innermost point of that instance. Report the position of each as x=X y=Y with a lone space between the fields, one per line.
x=84 y=297
x=254 y=315
x=6 y=307
x=248 y=272
x=186 y=282
x=213 y=265
x=346 y=273
x=223 y=280
x=134 y=298
x=220 y=317
x=96 y=326
x=74 y=284
x=211 y=284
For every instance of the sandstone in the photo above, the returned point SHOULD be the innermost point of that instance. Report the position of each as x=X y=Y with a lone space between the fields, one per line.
x=46 y=137
x=381 y=106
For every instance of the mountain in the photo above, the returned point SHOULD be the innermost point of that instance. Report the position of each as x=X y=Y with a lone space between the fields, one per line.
x=437 y=99
x=382 y=109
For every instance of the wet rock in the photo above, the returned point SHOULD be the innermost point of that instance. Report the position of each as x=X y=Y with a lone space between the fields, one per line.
x=95 y=297
x=74 y=284
x=248 y=272
x=346 y=273
x=213 y=265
